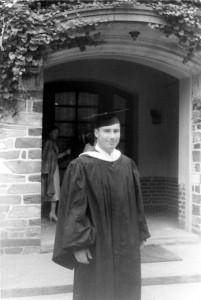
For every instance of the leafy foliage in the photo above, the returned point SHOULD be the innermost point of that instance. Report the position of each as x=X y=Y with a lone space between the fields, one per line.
x=29 y=29
x=184 y=21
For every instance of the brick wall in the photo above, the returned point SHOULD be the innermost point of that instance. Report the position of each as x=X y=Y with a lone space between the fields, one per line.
x=160 y=194
x=153 y=191
x=172 y=194
x=182 y=206
x=20 y=187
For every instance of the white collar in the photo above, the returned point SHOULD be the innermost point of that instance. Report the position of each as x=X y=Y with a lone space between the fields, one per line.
x=103 y=155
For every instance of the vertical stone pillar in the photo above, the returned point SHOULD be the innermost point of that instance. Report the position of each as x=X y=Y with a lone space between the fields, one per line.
x=196 y=155
x=185 y=154
x=20 y=178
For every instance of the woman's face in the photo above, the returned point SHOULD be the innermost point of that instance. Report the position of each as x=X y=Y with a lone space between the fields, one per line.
x=54 y=134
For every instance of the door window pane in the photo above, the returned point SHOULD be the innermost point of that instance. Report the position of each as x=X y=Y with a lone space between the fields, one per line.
x=66 y=129
x=65 y=98
x=87 y=99
x=86 y=112
x=86 y=126
x=65 y=113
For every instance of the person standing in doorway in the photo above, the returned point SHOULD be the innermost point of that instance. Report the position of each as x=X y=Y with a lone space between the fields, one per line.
x=50 y=172
x=91 y=142
x=101 y=222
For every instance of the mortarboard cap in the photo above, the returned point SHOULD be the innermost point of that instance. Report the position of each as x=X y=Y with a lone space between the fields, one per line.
x=106 y=118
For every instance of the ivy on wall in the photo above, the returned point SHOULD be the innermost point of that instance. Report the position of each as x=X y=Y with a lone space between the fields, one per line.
x=28 y=32
x=183 y=19
x=30 y=29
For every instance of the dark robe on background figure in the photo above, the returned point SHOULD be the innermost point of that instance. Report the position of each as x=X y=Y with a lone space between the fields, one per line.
x=50 y=181
x=101 y=209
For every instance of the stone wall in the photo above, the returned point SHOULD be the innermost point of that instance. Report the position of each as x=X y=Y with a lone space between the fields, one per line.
x=196 y=155
x=20 y=187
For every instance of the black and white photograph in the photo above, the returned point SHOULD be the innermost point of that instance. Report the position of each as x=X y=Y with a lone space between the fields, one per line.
x=100 y=149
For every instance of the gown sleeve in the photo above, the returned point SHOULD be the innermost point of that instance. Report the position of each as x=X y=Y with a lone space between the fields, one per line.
x=144 y=232
x=74 y=229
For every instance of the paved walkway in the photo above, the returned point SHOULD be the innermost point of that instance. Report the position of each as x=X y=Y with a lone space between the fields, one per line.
x=191 y=291
x=34 y=277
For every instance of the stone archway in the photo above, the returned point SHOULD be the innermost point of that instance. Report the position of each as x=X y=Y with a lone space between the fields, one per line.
x=21 y=135
x=150 y=49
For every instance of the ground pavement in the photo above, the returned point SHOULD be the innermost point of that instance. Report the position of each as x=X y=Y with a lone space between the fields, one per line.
x=36 y=277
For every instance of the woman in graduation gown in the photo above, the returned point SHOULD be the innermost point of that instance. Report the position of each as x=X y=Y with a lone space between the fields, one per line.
x=101 y=222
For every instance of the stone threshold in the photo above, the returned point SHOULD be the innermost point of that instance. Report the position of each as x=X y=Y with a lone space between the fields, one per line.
x=53 y=290
x=48 y=247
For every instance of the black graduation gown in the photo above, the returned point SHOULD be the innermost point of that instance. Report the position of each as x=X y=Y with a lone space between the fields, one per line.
x=101 y=209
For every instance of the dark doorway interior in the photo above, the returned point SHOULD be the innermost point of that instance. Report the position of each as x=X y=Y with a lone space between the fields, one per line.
x=67 y=104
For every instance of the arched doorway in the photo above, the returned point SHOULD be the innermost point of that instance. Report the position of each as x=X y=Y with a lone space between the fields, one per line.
x=152 y=143
x=153 y=69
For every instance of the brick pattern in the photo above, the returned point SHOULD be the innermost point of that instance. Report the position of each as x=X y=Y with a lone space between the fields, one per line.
x=160 y=194
x=182 y=205
x=196 y=155
x=153 y=192
x=172 y=194
x=20 y=186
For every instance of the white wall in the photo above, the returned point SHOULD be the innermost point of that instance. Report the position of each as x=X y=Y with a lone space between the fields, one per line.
x=172 y=129
x=158 y=144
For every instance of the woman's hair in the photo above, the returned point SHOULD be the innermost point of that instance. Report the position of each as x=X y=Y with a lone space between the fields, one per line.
x=47 y=131
x=90 y=138
x=52 y=128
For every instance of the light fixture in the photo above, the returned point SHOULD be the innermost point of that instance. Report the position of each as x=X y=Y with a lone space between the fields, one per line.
x=156 y=116
x=134 y=34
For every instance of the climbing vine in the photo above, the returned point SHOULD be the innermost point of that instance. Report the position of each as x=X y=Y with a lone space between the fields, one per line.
x=31 y=29
x=183 y=19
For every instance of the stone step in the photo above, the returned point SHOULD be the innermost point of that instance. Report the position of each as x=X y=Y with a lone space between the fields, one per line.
x=65 y=289
x=171 y=240
x=192 y=239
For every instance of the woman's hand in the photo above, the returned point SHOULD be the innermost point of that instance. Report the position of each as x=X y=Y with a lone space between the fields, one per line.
x=61 y=155
x=68 y=151
x=83 y=256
